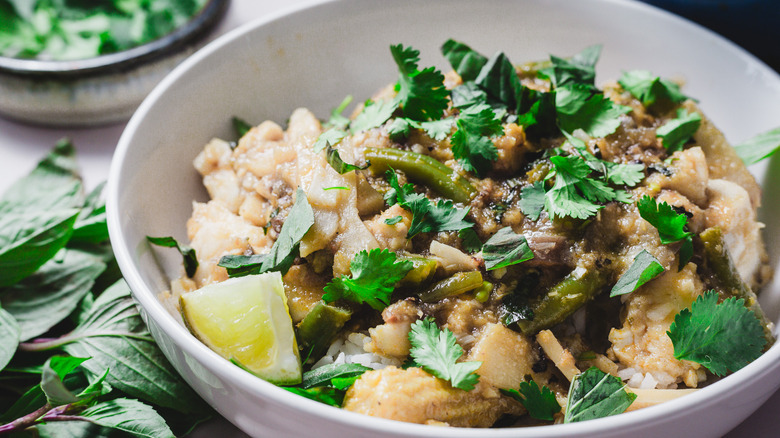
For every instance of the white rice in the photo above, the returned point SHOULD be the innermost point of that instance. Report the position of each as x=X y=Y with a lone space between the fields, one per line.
x=352 y=349
x=637 y=379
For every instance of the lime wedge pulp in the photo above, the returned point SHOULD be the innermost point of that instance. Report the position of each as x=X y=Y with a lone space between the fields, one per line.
x=246 y=320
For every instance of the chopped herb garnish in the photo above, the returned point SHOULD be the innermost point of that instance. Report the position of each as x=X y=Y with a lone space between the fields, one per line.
x=670 y=226
x=505 y=248
x=470 y=240
x=437 y=352
x=436 y=129
x=241 y=126
x=579 y=108
x=329 y=138
x=421 y=93
x=539 y=402
x=471 y=143
x=722 y=337
x=644 y=268
x=337 y=119
x=187 y=253
x=596 y=394
x=762 y=146
x=466 y=62
x=394 y=220
x=339 y=165
x=532 y=200
x=650 y=89
x=374 y=114
x=579 y=69
x=373 y=279
x=676 y=132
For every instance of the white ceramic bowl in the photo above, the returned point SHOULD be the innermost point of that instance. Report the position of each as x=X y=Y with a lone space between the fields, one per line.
x=314 y=56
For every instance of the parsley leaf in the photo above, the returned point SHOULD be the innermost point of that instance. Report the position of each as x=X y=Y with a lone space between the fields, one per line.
x=645 y=268
x=421 y=94
x=437 y=352
x=759 y=147
x=285 y=248
x=540 y=402
x=596 y=394
x=532 y=200
x=676 y=132
x=650 y=89
x=331 y=138
x=187 y=253
x=505 y=248
x=670 y=225
x=465 y=61
x=335 y=161
x=374 y=275
x=374 y=114
x=722 y=337
x=471 y=143
x=579 y=108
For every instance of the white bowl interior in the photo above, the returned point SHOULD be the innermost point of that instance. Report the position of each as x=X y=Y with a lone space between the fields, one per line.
x=316 y=56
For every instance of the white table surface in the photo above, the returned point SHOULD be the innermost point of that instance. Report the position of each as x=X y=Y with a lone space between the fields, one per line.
x=22 y=146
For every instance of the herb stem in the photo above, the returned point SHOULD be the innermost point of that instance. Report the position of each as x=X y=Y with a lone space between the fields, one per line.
x=26 y=421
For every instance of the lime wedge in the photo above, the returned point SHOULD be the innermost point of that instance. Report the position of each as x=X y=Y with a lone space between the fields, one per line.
x=246 y=320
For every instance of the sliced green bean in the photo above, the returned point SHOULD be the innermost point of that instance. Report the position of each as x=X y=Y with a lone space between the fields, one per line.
x=423 y=170
x=564 y=298
x=727 y=276
x=459 y=283
x=422 y=270
x=319 y=327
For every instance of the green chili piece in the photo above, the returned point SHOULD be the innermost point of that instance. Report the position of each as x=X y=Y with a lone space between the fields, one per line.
x=423 y=170
x=319 y=327
x=422 y=270
x=564 y=298
x=460 y=282
x=719 y=261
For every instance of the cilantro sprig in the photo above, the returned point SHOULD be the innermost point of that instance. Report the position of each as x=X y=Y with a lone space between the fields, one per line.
x=471 y=143
x=421 y=93
x=373 y=279
x=539 y=402
x=437 y=352
x=670 y=225
x=722 y=337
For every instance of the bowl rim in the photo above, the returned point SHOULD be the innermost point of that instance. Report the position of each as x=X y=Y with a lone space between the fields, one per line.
x=195 y=28
x=768 y=363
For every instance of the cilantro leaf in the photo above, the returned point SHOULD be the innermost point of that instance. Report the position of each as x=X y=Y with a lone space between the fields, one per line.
x=578 y=108
x=645 y=268
x=722 y=337
x=539 y=402
x=761 y=146
x=335 y=161
x=532 y=200
x=437 y=352
x=465 y=61
x=468 y=94
x=442 y=216
x=394 y=220
x=337 y=119
x=331 y=138
x=374 y=275
x=436 y=129
x=187 y=253
x=421 y=94
x=580 y=69
x=596 y=394
x=374 y=114
x=624 y=174
x=470 y=240
x=471 y=143
x=285 y=248
x=670 y=225
x=570 y=194
x=650 y=89
x=676 y=132
x=505 y=248
x=397 y=194
x=241 y=126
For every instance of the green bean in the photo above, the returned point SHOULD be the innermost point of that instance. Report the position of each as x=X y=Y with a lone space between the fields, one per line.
x=564 y=298
x=459 y=283
x=318 y=328
x=422 y=169
x=726 y=275
x=483 y=293
x=422 y=270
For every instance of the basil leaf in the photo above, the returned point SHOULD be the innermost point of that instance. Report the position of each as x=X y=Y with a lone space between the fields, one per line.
x=54 y=371
x=322 y=394
x=324 y=374
x=240 y=265
x=470 y=240
x=115 y=336
x=45 y=298
x=499 y=79
x=9 y=337
x=91 y=224
x=505 y=248
x=339 y=165
x=187 y=253
x=28 y=240
x=465 y=61
x=762 y=146
x=596 y=394
x=129 y=416
x=580 y=69
x=645 y=268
